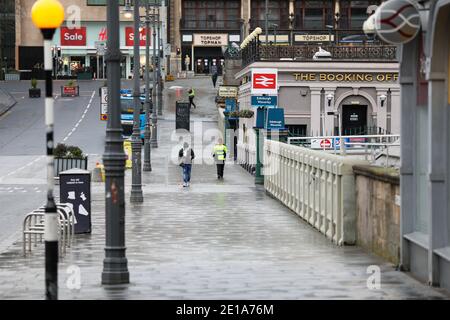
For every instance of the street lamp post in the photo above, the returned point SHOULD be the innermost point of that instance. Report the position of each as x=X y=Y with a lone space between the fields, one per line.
x=291 y=28
x=267 y=21
x=147 y=147
x=115 y=264
x=160 y=82
x=136 y=144
x=154 y=138
x=48 y=15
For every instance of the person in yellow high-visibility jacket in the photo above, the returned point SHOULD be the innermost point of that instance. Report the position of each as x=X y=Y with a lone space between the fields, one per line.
x=220 y=155
x=191 y=95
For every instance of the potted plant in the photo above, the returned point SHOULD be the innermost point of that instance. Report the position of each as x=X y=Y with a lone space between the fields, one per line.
x=68 y=157
x=246 y=113
x=71 y=89
x=34 y=91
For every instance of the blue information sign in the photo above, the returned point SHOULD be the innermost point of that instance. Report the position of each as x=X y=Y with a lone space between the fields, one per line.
x=264 y=101
x=230 y=104
x=275 y=119
x=260 y=118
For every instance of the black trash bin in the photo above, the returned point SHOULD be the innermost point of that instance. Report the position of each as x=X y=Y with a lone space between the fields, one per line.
x=183 y=113
x=75 y=189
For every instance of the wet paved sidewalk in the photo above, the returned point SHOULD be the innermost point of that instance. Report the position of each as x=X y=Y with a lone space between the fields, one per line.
x=214 y=240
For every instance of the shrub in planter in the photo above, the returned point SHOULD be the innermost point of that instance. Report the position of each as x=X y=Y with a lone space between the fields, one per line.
x=234 y=114
x=68 y=157
x=246 y=113
x=34 y=91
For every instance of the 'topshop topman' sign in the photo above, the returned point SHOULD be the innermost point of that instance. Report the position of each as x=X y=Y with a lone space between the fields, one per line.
x=264 y=81
x=73 y=36
x=129 y=37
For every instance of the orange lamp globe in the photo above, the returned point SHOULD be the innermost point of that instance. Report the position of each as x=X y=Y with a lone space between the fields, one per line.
x=47 y=14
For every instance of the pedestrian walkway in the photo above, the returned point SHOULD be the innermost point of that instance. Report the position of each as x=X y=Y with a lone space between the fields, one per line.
x=215 y=240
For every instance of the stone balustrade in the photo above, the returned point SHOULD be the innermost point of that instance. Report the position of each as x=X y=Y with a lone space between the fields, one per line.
x=317 y=186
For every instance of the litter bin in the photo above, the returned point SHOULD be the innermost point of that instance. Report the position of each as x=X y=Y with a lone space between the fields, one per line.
x=75 y=190
x=183 y=113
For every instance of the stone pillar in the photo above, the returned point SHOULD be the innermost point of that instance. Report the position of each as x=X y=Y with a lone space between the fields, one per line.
x=382 y=110
x=315 y=111
x=329 y=118
x=395 y=111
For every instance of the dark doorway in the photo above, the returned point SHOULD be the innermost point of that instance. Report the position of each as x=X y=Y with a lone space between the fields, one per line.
x=354 y=119
x=206 y=57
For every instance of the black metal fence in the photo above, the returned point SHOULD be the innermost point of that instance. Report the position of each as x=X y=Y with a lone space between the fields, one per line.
x=208 y=24
x=63 y=164
x=372 y=53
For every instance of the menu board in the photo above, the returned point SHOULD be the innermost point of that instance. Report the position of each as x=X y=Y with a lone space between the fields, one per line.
x=182 y=120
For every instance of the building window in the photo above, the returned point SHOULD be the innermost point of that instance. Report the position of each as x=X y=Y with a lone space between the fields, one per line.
x=211 y=14
x=354 y=13
x=7 y=36
x=278 y=13
x=313 y=14
x=102 y=2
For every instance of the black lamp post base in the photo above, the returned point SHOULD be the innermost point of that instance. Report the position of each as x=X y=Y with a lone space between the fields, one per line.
x=115 y=269
x=136 y=196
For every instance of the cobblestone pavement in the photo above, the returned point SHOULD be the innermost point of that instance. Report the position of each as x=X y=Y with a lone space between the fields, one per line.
x=214 y=240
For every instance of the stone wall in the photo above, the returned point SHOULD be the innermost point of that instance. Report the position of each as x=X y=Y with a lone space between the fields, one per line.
x=378 y=211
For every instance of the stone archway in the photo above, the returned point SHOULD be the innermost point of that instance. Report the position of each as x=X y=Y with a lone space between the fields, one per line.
x=363 y=97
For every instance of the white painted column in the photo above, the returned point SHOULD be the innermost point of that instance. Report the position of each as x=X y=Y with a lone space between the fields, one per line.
x=315 y=112
x=329 y=119
x=382 y=110
x=395 y=111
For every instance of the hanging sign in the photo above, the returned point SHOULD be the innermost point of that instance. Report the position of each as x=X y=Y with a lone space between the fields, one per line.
x=264 y=81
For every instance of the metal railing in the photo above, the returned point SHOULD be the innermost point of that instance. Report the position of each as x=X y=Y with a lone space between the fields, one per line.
x=207 y=24
x=34 y=228
x=319 y=187
x=373 y=53
x=372 y=145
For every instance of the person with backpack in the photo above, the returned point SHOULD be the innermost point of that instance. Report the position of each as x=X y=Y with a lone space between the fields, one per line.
x=191 y=95
x=185 y=157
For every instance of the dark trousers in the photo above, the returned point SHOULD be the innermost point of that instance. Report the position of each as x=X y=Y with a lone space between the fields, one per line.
x=220 y=167
x=191 y=102
x=214 y=79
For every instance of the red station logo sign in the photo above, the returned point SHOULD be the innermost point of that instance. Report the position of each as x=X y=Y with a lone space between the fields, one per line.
x=129 y=37
x=264 y=81
x=73 y=36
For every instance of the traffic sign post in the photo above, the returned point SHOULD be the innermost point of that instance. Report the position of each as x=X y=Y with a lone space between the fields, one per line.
x=104 y=103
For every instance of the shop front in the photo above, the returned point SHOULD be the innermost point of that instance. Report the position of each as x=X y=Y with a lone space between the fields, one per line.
x=83 y=50
x=204 y=52
x=336 y=98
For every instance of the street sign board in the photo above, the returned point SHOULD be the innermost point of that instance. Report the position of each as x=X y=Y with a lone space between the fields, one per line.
x=264 y=81
x=104 y=103
x=228 y=91
x=182 y=114
x=260 y=120
x=275 y=119
x=230 y=104
x=264 y=101
x=100 y=46
x=75 y=190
